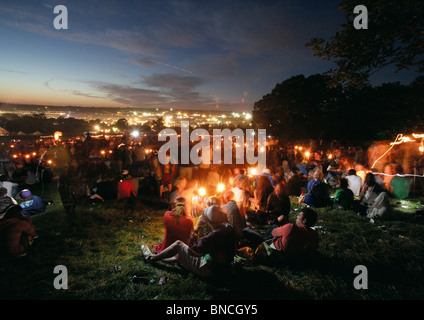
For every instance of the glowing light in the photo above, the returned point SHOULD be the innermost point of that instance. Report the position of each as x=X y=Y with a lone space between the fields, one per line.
x=135 y=133
x=401 y=139
x=57 y=135
x=221 y=187
x=103 y=152
x=253 y=172
x=27 y=156
x=49 y=161
x=330 y=156
x=34 y=154
x=421 y=148
x=202 y=192
x=307 y=154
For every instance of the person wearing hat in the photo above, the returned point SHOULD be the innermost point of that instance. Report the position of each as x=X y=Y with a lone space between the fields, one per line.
x=210 y=256
x=31 y=204
x=178 y=225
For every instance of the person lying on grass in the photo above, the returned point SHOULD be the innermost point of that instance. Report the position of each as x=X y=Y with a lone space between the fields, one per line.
x=210 y=256
x=293 y=240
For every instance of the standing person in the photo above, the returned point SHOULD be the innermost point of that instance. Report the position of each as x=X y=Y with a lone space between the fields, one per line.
x=209 y=257
x=168 y=172
x=178 y=226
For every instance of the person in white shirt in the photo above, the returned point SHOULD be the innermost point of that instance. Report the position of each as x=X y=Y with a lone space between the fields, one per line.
x=11 y=187
x=355 y=182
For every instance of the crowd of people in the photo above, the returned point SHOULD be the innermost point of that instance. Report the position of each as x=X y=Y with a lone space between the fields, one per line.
x=215 y=211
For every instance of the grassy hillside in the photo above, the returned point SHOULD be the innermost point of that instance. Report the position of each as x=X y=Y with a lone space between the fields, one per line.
x=103 y=237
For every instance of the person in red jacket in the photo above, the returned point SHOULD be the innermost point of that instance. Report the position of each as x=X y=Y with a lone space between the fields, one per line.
x=178 y=226
x=292 y=240
x=16 y=232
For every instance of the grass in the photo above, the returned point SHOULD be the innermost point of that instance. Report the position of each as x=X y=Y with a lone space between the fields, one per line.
x=103 y=236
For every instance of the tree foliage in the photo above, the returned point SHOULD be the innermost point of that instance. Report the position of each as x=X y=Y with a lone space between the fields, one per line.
x=307 y=108
x=395 y=36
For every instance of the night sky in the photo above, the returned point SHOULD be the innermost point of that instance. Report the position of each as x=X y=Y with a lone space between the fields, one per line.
x=177 y=54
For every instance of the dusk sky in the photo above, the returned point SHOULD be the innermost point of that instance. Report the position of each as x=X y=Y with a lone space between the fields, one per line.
x=179 y=54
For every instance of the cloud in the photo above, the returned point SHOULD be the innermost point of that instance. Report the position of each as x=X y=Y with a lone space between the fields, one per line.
x=147 y=62
x=13 y=71
x=176 y=84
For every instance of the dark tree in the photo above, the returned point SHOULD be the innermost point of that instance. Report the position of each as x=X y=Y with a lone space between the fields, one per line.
x=395 y=36
x=298 y=108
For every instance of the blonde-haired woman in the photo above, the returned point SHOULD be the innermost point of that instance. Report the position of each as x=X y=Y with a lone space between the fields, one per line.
x=178 y=225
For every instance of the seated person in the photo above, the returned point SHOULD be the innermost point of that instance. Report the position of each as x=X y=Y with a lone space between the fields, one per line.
x=31 y=204
x=241 y=187
x=5 y=201
x=12 y=187
x=189 y=193
x=262 y=191
x=355 y=182
x=107 y=188
x=296 y=182
x=202 y=228
x=344 y=196
x=380 y=207
x=317 y=191
x=400 y=186
x=16 y=232
x=278 y=205
x=178 y=225
x=233 y=213
x=125 y=186
x=293 y=240
x=211 y=256
x=371 y=189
